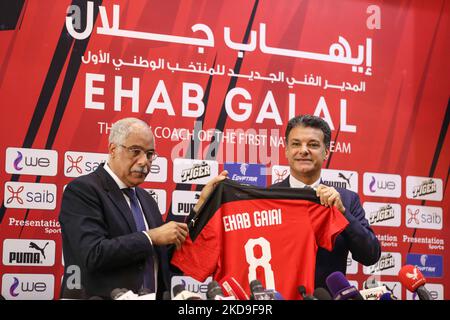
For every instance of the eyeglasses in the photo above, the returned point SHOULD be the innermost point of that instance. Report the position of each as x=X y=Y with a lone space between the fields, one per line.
x=137 y=152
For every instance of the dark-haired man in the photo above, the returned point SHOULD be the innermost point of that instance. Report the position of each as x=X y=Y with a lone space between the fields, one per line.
x=307 y=147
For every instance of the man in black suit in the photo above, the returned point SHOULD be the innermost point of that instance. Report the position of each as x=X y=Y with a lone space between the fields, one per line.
x=307 y=147
x=112 y=230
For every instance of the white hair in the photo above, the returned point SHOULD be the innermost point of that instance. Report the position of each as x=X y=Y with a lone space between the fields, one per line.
x=122 y=128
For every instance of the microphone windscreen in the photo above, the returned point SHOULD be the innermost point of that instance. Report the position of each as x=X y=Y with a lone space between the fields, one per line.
x=187 y=295
x=166 y=295
x=302 y=290
x=278 y=296
x=336 y=281
x=411 y=277
x=387 y=296
x=117 y=292
x=177 y=289
x=144 y=291
x=340 y=288
x=371 y=282
x=214 y=289
x=256 y=286
x=322 y=294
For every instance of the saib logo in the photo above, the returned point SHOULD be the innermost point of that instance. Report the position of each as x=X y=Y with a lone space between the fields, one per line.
x=246 y=173
x=429 y=264
x=279 y=173
x=31 y=161
x=424 y=217
x=25 y=195
x=80 y=163
x=74 y=164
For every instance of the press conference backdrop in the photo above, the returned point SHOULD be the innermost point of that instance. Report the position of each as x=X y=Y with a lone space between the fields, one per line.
x=218 y=81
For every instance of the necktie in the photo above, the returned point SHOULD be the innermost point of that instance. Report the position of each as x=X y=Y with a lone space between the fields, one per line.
x=149 y=275
x=306 y=187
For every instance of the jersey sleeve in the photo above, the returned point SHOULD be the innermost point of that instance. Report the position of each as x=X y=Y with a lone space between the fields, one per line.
x=199 y=259
x=327 y=223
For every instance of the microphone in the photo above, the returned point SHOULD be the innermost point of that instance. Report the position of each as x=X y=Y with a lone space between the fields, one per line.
x=177 y=289
x=302 y=290
x=278 y=296
x=259 y=293
x=371 y=282
x=215 y=291
x=180 y=293
x=146 y=294
x=255 y=287
x=322 y=294
x=373 y=293
x=372 y=289
x=232 y=288
x=387 y=296
x=340 y=288
x=411 y=277
x=123 y=294
x=166 y=295
x=144 y=291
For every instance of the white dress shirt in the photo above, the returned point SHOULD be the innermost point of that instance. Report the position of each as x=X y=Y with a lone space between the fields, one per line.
x=123 y=186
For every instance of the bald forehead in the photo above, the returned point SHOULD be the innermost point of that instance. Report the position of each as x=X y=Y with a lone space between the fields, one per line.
x=139 y=128
x=140 y=135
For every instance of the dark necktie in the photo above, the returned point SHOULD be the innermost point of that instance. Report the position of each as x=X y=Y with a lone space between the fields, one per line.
x=306 y=187
x=149 y=275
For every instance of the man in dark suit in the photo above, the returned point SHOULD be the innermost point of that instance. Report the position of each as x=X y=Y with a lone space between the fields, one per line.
x=112 y=230
x=307 y=147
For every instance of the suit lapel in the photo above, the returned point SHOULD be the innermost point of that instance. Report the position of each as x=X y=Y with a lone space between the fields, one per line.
x=116 y=196
x=118 y=199
x=285 y=182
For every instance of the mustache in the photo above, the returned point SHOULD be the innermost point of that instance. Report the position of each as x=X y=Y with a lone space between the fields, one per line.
x=142 y=170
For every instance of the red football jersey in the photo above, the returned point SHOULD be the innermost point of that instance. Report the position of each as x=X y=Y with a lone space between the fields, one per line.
x=267 y=234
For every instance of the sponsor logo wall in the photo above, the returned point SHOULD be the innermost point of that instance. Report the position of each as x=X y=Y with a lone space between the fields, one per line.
x=216 y=102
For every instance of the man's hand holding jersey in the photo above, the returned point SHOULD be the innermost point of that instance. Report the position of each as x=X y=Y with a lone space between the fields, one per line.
x=330 y=197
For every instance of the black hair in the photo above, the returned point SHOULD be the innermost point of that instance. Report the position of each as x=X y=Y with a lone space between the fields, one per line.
x=310 y=121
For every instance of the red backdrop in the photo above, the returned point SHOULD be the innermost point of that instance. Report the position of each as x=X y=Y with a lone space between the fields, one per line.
x=377 y=71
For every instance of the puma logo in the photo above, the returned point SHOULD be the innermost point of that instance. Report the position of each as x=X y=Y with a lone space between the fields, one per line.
x=35 y=246
x=341 y=175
